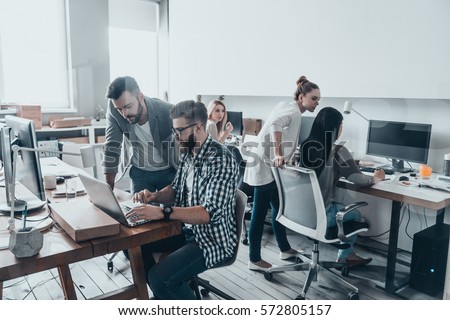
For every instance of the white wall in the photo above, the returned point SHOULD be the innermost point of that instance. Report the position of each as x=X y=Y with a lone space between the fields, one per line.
x=371 y=49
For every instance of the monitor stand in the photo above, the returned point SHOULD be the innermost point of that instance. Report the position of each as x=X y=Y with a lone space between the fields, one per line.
x=397 y=166
x=32 y=204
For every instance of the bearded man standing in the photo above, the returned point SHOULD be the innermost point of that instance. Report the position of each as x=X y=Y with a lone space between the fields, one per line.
x=145 y=123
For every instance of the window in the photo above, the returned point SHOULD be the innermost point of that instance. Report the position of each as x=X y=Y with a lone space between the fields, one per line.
x=133 y=42
x=34 y=60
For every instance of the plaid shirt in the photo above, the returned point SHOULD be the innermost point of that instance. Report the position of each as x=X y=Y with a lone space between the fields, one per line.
x=214 y=188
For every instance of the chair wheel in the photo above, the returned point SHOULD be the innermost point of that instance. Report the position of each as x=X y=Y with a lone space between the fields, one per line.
x=345 y=271
x=353 y=296
x=298 y=260
x=268 y=276
x=204 y=292
x=110 y=266
x=300 y=297
x=245 y=241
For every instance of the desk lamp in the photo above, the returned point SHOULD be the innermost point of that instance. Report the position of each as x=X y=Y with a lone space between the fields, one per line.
x=87 y=156
x=348 y=107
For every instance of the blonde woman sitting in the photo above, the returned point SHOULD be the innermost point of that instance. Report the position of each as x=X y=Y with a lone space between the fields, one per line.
x=217 y=125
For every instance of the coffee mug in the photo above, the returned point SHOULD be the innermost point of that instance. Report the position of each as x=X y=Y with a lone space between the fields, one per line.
x=50 y=181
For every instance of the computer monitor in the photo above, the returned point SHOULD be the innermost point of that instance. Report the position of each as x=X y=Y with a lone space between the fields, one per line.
x=28 y=168
x=235 y=117
x=305 y=128
x=400 y=141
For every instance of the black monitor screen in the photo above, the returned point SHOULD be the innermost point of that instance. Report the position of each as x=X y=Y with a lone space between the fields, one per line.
x=305 y=128
x=399 y=141
x=235 y=117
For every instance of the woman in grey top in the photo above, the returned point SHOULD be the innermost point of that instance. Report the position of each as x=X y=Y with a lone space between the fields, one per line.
x=331 y=162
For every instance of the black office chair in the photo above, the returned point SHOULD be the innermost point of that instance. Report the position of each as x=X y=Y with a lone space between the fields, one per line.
x=248 y=190
x=197 y=283
x=302 y=210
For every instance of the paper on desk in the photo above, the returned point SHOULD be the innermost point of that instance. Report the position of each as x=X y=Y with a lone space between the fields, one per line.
x=436 y=184
x=61 y=189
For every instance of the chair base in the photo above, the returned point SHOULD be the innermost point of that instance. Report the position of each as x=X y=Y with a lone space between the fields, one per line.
x=110 y=263
x=314 y=266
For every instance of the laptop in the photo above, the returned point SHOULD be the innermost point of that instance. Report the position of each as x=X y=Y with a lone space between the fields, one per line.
x=103 y=197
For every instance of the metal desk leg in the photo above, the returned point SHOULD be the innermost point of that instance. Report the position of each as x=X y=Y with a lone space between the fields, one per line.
x=440 y=215
x=392 y=248
x=390 y=286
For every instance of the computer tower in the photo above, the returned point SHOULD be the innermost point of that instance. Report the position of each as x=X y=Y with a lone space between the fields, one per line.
x=429 y=259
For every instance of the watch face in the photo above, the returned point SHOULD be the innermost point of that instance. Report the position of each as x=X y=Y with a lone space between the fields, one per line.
x=168 y=209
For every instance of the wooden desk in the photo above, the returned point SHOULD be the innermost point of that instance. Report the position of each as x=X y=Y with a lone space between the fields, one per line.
x=391 y=190
x=59 y=250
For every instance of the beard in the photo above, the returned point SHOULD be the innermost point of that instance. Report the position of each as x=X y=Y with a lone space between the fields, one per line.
x=133 y=119
x=188 y=145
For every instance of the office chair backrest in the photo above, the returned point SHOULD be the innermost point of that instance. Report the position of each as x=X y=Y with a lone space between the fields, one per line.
x=241 y=201
x=241 y=185
x=301 y=204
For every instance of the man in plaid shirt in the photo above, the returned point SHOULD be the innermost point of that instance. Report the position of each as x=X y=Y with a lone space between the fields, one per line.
x=203 y=195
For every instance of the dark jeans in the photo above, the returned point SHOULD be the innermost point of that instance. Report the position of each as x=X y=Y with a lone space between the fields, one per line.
x=150 y=180
x=263 y=197
x=167 y=277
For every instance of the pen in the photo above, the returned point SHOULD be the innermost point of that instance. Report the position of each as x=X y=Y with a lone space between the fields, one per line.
x=24 y=217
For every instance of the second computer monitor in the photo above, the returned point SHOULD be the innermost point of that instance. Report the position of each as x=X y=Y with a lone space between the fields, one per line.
x=399 y=141
x=235 y=117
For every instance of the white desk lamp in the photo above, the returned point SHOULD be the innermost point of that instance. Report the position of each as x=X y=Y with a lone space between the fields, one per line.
x=87 y=156
x=348 y=107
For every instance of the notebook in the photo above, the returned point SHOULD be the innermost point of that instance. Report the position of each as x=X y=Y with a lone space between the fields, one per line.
x=103 y=197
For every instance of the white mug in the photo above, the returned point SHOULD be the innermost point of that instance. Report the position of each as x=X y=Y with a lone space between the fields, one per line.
x=50 y=182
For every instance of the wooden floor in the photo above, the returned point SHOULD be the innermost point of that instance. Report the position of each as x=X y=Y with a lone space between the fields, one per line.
x=92 y=278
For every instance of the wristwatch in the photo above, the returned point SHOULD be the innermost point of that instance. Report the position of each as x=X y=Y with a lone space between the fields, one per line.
x=167 y=211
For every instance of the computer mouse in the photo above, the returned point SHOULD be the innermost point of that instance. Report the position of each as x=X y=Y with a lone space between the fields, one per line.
x=403 y=178
x=60 y=180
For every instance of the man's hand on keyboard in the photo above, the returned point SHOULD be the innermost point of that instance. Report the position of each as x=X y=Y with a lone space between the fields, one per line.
x=144 y=196
x=145 y=212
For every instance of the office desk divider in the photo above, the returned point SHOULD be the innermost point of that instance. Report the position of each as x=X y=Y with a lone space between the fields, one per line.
x=83 y=221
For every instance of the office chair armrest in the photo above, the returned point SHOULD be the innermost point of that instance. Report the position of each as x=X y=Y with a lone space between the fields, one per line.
x=340 y=218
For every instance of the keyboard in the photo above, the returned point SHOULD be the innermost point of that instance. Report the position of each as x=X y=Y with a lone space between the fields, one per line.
x=371 y=169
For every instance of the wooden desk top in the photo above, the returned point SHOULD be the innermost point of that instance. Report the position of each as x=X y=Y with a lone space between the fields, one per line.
x=423 y=197
x=58 y=249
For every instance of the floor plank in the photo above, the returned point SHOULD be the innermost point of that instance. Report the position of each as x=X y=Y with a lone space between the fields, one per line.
x=92 y=277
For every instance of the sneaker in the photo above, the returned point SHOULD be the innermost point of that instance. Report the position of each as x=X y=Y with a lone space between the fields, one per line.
x=291 y=253
x=261 y=265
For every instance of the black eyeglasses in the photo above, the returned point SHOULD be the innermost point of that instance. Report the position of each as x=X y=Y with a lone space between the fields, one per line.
x=179 y=131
